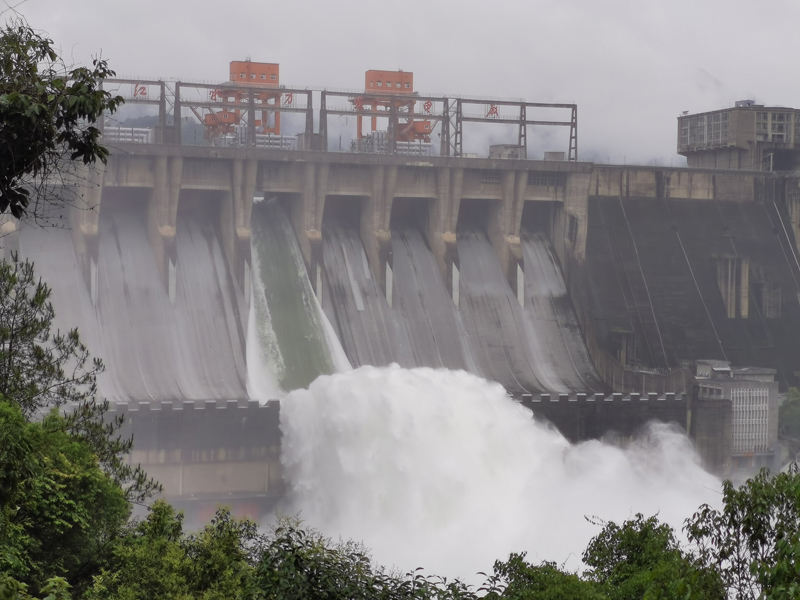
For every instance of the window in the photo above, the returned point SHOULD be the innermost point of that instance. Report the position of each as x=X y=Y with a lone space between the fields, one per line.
x=408 y=85
x=380 y=84
x=490 y=176
x=241 y=75
x=273 y=77
x=397 y=85
x=388 y=84
x=252 y=76
x=233 y=77
x=547 y=179
x=263 y=76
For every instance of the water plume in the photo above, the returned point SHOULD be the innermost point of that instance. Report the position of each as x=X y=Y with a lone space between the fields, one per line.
x=441 y=469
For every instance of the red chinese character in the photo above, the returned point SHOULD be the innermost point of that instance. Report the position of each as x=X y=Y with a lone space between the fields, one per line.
x=427 y=106
x=493 y=111
x=289 y=99
x=139 y=91
x=358 y=103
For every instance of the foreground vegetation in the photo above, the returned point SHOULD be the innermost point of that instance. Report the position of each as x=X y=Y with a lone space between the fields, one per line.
x=66 y=493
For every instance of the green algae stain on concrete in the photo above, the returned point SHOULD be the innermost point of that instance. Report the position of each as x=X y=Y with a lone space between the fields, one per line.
x=290 y=331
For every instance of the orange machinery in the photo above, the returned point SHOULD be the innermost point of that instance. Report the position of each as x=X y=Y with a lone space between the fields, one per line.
x=399 y=83
x=246 y=74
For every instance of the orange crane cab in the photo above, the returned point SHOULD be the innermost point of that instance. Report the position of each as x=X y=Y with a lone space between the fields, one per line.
x=246 y=74
x=399 y=83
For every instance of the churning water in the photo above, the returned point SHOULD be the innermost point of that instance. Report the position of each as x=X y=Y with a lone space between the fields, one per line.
x=441 y=469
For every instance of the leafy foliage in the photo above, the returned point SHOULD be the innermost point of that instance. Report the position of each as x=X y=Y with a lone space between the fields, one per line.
x=754 y=541
x=47 y=117
x=41 y=369
x=299 y=563
x=38 y=368
x=517 y=579
x=642 y=559
x=56 y=519
x=155 y=559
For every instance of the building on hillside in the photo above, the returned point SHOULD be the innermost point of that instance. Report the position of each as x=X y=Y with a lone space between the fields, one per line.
x=747 y=136
x=753 y=393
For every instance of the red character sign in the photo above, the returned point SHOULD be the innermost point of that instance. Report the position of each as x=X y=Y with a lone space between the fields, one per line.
x=358 y=103
x=139 y=91
x=493 y=111
x=288 y=99
x=215 y=95
x=427 y=106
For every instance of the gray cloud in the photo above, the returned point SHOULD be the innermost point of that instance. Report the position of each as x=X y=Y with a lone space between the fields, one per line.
x=631 y=65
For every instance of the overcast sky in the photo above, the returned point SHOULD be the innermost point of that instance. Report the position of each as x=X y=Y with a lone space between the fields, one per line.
x=630 y=65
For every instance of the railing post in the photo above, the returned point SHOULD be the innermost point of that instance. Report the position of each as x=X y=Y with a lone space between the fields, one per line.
x=176 y=116
x=323 y=123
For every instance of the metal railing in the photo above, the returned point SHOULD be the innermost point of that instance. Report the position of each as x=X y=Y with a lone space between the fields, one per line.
x=130 y=135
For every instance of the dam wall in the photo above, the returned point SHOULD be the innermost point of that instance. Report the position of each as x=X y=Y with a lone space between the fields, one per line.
x=209 y=453
x=620 y=419
x=546 y=276
x=673 y=273
x=167 y=175
x=662 y=266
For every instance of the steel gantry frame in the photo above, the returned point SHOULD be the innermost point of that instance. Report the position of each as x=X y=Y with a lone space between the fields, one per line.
x=290 y=101
x=368 y=106
x=451 y=115
x=448 y=111
x=286 y=104
x=493 y=115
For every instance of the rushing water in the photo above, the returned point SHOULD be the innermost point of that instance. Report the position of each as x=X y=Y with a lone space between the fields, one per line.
x=288 y=343
x=153 y=349
x=441 y=469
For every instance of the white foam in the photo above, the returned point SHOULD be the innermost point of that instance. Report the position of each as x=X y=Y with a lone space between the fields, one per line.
x=441 y=469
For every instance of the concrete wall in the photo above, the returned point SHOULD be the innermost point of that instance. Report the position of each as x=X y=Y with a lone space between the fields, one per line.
x=711 y=431
x=652 y=275
x=620 y=419
x=306 y=179
x=209 y=453
x=692 y=184
x=584 y=417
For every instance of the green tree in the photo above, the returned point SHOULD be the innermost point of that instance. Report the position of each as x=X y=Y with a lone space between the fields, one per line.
x=642 y=559
x=41 y=369
x=148 y=562
x=754 y=540
x=48 y=113
x=65 y=487
x=58 y=508
x=516 y=579
x=299 y=563
x=155 y=559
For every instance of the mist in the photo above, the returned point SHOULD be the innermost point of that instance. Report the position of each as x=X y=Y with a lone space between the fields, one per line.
x=441 y=469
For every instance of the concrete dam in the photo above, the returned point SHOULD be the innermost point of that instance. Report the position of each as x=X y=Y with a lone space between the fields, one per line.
x=207 y=278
